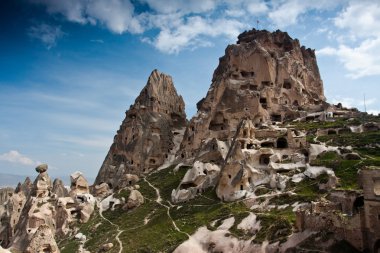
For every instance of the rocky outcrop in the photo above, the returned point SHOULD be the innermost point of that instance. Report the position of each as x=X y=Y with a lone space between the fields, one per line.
x=5 y=193
x=135 y=199
x=43 y=241
x=59 y=189
x=79 y=184
x=264 y=78
x=146 y=138
x=200 y=177
x=29 y=223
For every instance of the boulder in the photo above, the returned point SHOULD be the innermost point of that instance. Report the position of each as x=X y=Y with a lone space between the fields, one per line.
x=79 y=184
x=102 y=190
x=106 y=247
x=42 y=168
x=135 y=199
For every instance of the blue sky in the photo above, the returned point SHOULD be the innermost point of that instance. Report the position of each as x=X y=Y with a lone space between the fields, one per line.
x=70 y=69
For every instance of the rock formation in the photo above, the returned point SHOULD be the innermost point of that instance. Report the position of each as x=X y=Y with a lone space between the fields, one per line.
x=147 y=136
x=5 y=193
x=36 y=213
x=264 y=78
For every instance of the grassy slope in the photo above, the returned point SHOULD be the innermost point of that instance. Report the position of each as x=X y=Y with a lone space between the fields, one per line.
x=159 y=235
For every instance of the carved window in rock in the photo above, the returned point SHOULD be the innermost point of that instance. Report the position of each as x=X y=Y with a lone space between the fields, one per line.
x=331 y=132
x=263 y=102
x=247 y=74
x=267 y=144
x=282 y=142
x=287 y=85
x=265 y=159
x=276 y=117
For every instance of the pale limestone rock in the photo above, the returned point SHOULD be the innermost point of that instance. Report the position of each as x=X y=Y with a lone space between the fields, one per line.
x=250 y=224
x=10 y=217
x=42 y=185
x=101 y=191
x=106 y=247
x=4 y=250
x=196 y=180
x=59 y=189
x=43 y=241
x=135 y=199
x=29 y=223
x=79 y=184
x=5 y=194
x=146 y=136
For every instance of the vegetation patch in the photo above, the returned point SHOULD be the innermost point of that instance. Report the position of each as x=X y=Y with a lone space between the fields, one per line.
x=345 y=170
x=276 y=225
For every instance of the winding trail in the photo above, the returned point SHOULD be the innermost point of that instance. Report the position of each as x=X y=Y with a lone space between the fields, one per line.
x=159 y=201
x=119 y=231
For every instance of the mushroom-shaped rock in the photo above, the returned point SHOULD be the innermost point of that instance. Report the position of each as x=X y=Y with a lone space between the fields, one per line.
x=42 y=185
x=42 y=168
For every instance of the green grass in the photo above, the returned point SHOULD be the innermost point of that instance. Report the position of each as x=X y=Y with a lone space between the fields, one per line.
x=69 y=246
x=159 y=235
x=276 y=225
x=358 y=140
x=345 y=170
x=313 y=126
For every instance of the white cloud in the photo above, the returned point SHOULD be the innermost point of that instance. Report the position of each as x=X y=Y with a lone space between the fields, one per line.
x=240 y=8
x=360 y=61
x=192 y=32
x=14 y=156
x=360 y=18
x=47 y=34
x=178 y=27
x=182 y=6
x=286 y=13
x=374 y=112
x=117 y=15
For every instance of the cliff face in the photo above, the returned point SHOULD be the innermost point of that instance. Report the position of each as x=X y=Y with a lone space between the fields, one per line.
x=265 y=77
x=146 y=138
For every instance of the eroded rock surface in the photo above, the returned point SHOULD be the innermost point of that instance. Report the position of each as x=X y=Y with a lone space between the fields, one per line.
x=35 y=214
x=265 y=77
x=146 y=136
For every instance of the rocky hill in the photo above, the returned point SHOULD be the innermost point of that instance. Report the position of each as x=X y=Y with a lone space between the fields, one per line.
x=266 y=165
x=148 y=135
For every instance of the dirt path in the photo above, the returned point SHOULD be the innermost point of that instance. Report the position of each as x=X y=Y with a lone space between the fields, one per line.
x=119 y=231
x=159 y=201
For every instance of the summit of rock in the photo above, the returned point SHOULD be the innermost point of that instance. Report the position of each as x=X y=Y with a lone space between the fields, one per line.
x=148 y=135
x=265 y=78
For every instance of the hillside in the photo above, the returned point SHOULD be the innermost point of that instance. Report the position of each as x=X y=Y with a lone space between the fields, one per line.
x=266 y=165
